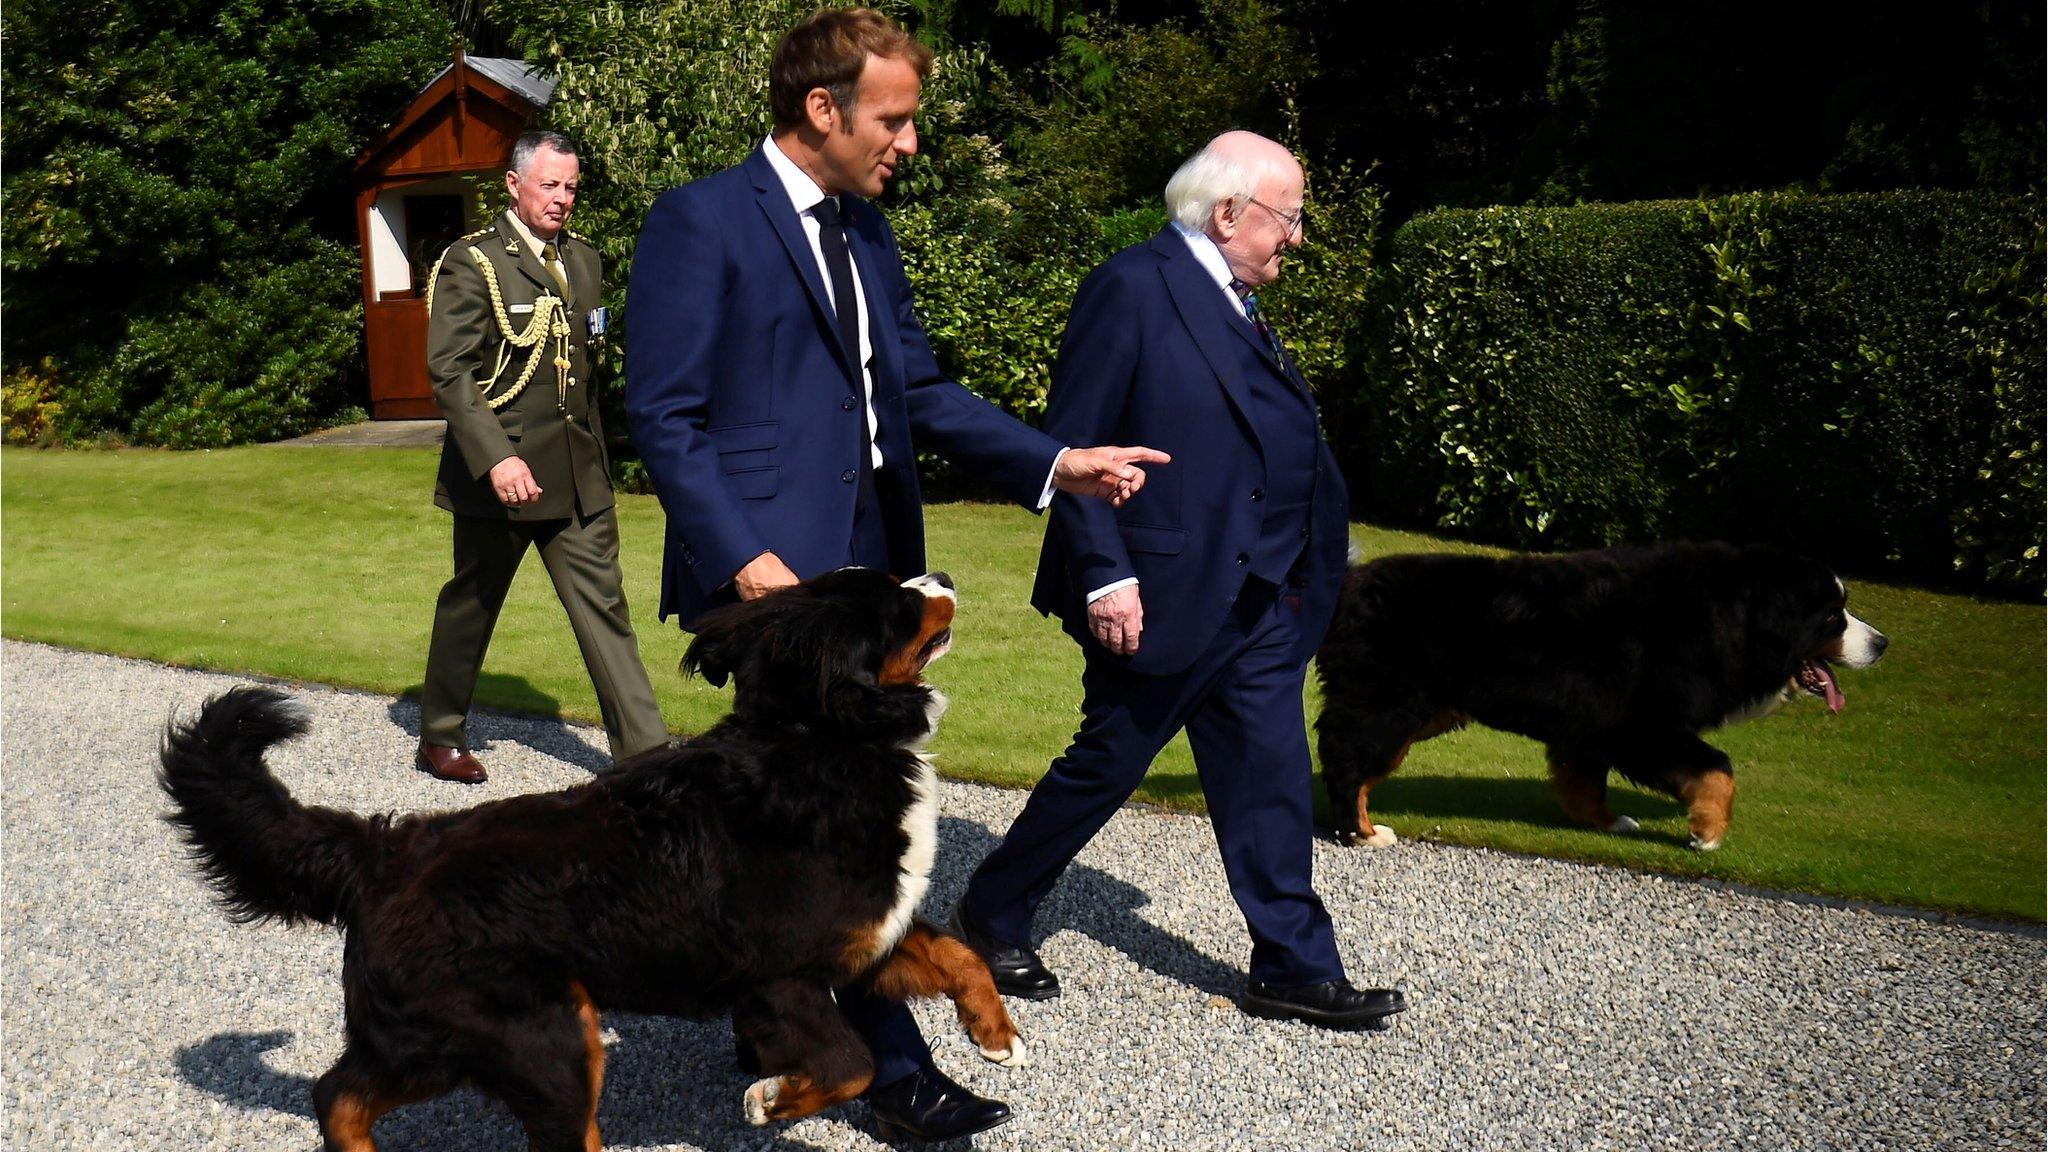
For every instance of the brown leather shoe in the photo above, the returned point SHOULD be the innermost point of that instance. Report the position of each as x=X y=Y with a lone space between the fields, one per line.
x=448 y=763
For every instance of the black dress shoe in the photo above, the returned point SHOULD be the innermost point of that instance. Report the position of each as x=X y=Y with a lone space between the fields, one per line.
x=925 y=1105
x=1331 y=1004
x=1018 y=971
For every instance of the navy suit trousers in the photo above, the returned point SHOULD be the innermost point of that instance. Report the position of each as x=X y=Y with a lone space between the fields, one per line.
x=1240 y=702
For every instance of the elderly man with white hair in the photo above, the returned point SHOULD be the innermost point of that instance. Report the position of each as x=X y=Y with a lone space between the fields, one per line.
x=1197 y=604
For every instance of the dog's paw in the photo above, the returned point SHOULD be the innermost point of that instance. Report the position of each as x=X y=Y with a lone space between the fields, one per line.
x=760 y=1100
x=1626 y=824
x=1012 y=1057
x=1382 y=837
x=1705 y=845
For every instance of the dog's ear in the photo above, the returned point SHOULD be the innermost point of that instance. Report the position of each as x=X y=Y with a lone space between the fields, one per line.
x=714 y=653
x=846 y=673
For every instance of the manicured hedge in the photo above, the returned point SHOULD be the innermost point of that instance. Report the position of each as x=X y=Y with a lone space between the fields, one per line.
x=1860 y=376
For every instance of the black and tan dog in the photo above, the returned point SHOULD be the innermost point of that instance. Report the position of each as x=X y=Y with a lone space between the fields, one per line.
x=1616 y=660
x=777 y=857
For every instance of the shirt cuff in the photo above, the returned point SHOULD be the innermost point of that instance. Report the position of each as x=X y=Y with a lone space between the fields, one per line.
x=1106 y=589
x=1045 y=497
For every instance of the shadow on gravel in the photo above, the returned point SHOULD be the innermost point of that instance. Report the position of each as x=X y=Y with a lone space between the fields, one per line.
x=1089 y=901
x=666 y=1082
x=231 y=1066
x=548 y=736
x=673 y=1081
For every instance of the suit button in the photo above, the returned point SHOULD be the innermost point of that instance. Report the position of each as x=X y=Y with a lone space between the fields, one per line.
x=1258 y=493
x=847 y=477
x=846 y=405
x=1304 y=533
x=1243 y=558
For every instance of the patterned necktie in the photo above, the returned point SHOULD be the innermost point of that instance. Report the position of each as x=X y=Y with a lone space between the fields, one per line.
x=551 y=259
x=846 y=306
x=1257 y=316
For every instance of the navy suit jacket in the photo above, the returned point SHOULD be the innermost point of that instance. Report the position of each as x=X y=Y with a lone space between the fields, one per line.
x=1155 y=354
x=744 y=406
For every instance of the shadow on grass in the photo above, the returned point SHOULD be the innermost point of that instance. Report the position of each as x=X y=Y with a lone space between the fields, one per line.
x=518 y=712
x=1515 y=800
x=1410 y=802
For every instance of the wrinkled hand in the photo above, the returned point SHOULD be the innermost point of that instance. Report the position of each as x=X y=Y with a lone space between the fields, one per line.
x=762 y=575
x=1106 y=473
x=1117 y=619
x=512 y=480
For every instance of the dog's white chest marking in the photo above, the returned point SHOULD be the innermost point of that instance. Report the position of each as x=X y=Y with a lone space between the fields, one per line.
x=921 y=831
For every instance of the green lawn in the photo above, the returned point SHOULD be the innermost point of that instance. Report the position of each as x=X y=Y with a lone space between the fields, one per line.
x=321 y=564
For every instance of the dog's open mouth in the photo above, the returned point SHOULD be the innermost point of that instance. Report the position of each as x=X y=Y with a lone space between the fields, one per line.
x=935 y=647
x=1817 y=678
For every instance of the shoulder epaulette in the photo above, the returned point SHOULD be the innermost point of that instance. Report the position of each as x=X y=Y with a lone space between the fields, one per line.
x=434 y=275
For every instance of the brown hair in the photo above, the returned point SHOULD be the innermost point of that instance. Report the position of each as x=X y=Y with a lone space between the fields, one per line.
x=828 y=50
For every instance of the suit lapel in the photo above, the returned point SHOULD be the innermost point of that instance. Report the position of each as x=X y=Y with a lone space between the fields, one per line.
x=881 y=324
x=1205 y=314
x=773 y=200
x=585 y=282
x=1238 y=322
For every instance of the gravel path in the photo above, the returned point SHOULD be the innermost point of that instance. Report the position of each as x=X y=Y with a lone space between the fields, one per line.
x=1555 y=1006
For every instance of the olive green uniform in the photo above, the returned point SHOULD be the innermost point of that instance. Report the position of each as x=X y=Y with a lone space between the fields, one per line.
x=551 y=423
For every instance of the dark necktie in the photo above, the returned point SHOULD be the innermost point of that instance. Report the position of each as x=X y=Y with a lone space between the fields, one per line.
x=839 y=263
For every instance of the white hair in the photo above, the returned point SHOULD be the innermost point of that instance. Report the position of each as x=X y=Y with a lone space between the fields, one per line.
x=1216 y=174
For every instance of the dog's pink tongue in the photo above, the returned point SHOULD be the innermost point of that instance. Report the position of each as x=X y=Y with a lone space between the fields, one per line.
x=1820 y=676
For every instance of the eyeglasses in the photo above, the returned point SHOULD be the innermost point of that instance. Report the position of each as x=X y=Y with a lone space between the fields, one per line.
x=1291 y=219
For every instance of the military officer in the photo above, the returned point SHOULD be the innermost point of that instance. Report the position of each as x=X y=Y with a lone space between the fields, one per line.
x=514 y=311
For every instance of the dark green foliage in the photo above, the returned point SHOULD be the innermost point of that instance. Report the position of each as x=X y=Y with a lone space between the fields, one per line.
x=1117 y=122
x=1476 y=102
x=1857 y=375
x=178 y=234
x=1323 y=303
x=1840 y=95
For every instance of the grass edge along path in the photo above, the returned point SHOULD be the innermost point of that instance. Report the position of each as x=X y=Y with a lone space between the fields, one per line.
x=321 y=565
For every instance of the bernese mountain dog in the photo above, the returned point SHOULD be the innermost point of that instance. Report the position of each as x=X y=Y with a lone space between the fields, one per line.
x=1615 y=659
x=756 y=868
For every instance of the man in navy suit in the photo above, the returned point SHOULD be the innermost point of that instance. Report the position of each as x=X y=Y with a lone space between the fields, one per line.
x=1198 y=603
x=779 y=387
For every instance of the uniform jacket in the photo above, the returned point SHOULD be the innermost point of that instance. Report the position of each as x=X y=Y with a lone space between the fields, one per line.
x=1155 y=354
x=744 y=406
x=562 y=442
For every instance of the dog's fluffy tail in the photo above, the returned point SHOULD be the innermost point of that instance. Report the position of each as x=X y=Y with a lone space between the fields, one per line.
x=270 y=857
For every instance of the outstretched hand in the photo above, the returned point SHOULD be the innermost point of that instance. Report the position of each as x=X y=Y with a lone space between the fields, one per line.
x=1106 y=473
